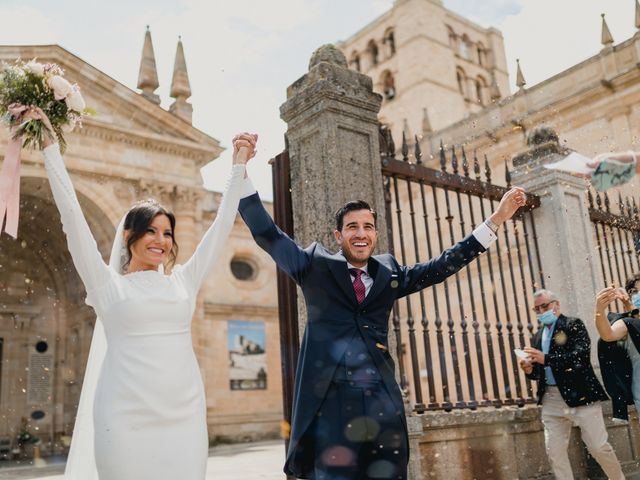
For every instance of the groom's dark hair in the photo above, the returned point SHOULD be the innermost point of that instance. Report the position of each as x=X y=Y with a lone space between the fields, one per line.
x=137 y=221
x=350 y=207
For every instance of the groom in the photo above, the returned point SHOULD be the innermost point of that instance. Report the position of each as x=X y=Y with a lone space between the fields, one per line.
x=348 y=417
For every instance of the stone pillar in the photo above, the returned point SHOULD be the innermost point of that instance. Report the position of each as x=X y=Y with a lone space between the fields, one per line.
x=332 y=118
x=565 y=235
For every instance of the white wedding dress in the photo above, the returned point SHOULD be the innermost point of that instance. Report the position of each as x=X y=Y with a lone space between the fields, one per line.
x=149 y=414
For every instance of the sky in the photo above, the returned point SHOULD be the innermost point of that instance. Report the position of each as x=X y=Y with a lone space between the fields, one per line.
x=243 y=54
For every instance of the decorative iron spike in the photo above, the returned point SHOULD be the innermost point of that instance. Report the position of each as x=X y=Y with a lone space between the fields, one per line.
x=590 y=198
x=629 y=207
x=620 y=204
x=476 y=165
x=391 y=145
x=454 y=160
x=405 y=148
x=598 y=200
x=607 y=202
x=418 y=151
x=507 y=174
x=465 y=163
x=487 y=169
x=636 y=212
x=443 y=158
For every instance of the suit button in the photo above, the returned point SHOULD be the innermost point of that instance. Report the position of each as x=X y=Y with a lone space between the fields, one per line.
x=365 y=326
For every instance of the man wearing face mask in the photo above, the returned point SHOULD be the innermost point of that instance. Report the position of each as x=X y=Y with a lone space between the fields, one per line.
x=619 y=346
x=568 y=388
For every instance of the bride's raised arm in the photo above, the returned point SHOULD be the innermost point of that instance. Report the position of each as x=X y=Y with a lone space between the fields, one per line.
x=83 y=248
x=213 y=241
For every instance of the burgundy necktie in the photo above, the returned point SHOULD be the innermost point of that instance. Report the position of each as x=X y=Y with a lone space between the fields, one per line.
x=358 y=285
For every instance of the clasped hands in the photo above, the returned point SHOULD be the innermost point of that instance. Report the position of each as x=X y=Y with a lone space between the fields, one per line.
x=244 y=147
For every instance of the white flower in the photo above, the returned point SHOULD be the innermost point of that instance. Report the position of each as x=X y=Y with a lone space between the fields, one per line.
x=61 y=88
x=69 y=126
x=75 y=101
x=35 y=67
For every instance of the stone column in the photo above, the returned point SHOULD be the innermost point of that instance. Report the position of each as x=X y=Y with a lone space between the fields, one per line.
x=332 y=118
x=565 y=234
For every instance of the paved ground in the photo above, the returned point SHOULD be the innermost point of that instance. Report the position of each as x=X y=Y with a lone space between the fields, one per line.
x=258 y=461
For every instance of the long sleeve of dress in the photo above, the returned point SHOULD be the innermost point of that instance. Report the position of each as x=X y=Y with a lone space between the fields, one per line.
x=83 y=248
x=210 y=247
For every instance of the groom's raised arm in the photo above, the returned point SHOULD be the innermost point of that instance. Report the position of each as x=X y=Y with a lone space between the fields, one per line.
x=287 y=254
x=436 y=270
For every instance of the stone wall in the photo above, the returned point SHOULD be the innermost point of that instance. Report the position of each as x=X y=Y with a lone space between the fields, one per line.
x=506 y=444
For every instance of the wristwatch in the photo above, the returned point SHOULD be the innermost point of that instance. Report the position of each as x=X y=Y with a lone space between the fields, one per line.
x=491 y=225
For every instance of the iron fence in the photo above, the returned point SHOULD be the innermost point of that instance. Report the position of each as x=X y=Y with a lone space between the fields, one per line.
x=456 y=339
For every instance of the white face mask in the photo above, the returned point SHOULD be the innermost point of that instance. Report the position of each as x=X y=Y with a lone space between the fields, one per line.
x=547 y=318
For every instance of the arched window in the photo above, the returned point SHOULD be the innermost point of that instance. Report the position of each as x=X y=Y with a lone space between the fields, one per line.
x=462 y=79
x=390 y=42
x=372 y=49
x=453 y=39
x=388 y=85
x=482 y=58
x=481 y=88
x=465 y=47
x=355 y=61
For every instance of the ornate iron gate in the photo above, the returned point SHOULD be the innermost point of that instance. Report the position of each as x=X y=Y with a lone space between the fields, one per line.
x=459 y=343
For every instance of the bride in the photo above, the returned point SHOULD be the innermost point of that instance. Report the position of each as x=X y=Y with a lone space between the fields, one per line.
x=142 y=411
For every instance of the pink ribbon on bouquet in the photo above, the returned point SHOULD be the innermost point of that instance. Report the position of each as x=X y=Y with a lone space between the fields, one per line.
x=10 y=179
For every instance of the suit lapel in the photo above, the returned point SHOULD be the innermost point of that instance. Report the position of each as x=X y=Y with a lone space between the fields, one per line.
x=338 y=266
x=381 y=276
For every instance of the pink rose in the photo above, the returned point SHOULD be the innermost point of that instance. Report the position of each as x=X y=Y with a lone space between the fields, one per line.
x=61 y=88
x=75 y=101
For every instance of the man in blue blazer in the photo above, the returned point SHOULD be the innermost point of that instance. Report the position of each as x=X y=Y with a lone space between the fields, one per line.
x=348 y=418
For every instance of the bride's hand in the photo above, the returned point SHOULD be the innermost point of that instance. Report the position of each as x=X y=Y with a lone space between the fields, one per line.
x=36 y=113
x=24 y=113
x=244 y=147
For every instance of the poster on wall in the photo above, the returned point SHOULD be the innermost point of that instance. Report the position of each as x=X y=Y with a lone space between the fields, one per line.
x=247 y=355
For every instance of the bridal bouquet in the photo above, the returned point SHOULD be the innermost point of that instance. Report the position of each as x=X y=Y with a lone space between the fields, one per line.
x=28 y=89
x=42 y=85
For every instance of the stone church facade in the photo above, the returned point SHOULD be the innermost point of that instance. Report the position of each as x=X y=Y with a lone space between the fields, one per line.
x=432 y=66
x=132 y=149
x=442 y=77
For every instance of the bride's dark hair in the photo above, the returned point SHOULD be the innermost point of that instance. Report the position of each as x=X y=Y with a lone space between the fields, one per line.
x=137 y=221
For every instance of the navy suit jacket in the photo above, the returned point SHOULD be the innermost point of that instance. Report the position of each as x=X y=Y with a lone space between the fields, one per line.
x=334 y=316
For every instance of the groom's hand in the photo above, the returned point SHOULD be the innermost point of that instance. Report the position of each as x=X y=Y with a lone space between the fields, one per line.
x=509 y=204
x=244 y=147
